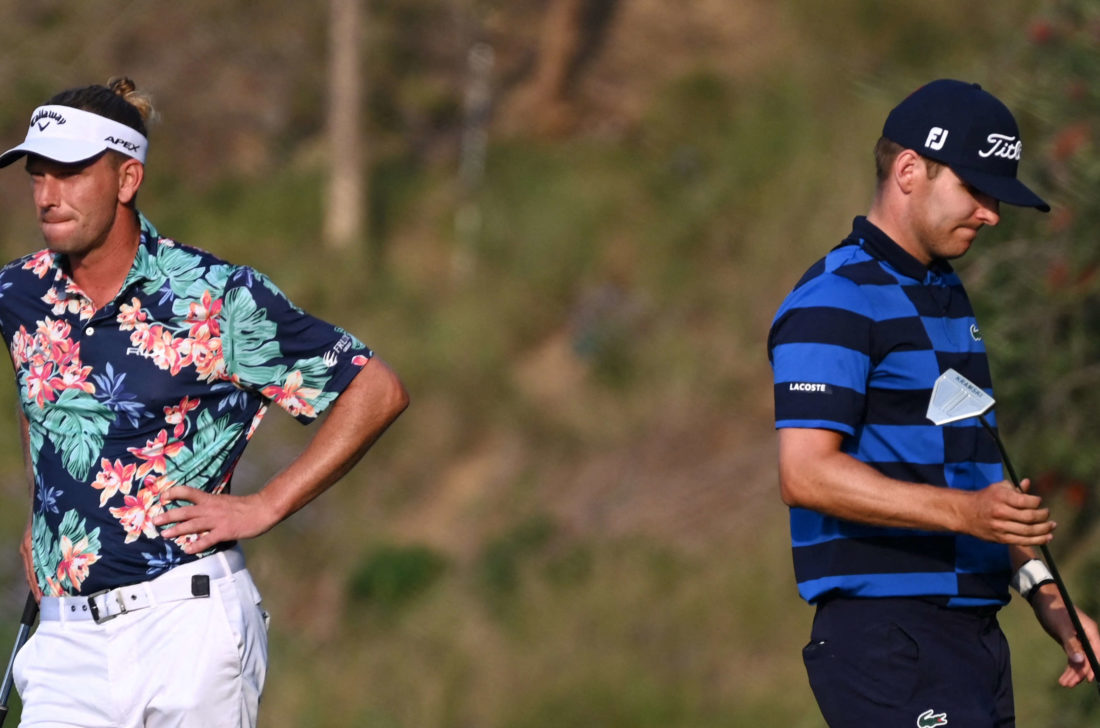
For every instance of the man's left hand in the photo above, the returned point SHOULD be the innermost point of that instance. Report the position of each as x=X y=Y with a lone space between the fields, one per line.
x=214 y=519
x=1052 y=614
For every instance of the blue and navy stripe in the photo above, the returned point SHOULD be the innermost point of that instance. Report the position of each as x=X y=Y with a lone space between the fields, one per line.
x=856 y=348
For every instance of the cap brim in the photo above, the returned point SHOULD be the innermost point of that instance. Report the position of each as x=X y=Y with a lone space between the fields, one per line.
x=65 y=151
x=1005 y=189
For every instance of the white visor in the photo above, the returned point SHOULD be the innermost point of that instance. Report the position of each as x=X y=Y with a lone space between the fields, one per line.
x=67 y=135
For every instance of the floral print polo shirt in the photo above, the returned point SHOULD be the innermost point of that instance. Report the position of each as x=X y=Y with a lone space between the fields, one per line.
x=162 y=386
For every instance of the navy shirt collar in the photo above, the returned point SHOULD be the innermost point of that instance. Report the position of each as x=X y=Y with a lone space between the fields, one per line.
x=881 y=246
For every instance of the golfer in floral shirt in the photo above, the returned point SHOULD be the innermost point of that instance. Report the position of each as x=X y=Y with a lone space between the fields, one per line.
x=143 y=367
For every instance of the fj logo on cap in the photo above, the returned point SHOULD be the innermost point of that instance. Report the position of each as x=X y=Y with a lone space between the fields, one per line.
x=1002 y=145
x=937 y=137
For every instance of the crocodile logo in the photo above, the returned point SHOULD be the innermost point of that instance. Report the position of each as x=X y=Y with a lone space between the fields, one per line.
x=931 y=719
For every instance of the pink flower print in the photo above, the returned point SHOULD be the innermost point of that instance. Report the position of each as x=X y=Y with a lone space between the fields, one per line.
x=155 y=454
x=40 y=263
x=202 y=315
x=178 y=415
x=206 y=355
x=157 y=484
x=22 y=344
x=137 y=513
x=292 y=396
x=75 y=560
x=159 y=347
x=112 y=479
x=130 y=315
x=53 y=586
x=53 y=336
x=61 y=304
x=166 y=351
x=223 y=484
x=359 y=360
x=41 y=383
x=187 y=538
x=75 y=376
x=256 y=419
x=78 y=302
x=143 y=336
x=183 y=354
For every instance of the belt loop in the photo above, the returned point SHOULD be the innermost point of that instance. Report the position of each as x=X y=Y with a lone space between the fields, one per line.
x=223 y=560
x=150 y=592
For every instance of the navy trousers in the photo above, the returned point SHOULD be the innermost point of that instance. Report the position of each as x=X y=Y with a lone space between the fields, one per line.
x=907 y=663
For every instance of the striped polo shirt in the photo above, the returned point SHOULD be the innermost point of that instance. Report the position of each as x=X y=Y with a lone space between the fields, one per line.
x=856 y=348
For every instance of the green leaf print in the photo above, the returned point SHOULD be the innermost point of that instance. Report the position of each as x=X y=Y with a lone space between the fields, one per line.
x=36 y=434
x=218 y=275
x=213 y=280
x=248 y=340
x=182 y=268
x=76 y=424
x=315 y=375
x=144 y=266
x=275 y=290
x=76 y=529
x=211 y=446
x=47 y=555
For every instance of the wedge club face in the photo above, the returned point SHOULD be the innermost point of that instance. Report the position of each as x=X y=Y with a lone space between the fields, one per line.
x=954 y=398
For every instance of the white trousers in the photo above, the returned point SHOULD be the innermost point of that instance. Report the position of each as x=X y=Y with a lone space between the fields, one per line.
x=195 y=663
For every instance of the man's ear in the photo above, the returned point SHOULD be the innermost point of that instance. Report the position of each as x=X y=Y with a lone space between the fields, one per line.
x=131 y=173
x=907 y=165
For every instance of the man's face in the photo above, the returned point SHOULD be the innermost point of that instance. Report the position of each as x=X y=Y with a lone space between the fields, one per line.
x=76 y=204
x=948 y=213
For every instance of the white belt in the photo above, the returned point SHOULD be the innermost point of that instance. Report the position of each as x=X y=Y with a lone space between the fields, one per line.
x=189 y=581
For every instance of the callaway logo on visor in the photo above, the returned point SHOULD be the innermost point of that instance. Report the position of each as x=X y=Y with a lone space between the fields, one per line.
x=42 y=118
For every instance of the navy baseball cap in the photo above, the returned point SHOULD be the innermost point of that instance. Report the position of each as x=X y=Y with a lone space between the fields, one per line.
x=965 y=127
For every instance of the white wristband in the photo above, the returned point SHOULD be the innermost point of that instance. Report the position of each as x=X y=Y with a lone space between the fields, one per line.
x=1031 y=576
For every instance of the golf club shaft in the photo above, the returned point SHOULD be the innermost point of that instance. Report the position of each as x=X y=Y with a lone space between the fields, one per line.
x=30 y=611
x=1074 y=618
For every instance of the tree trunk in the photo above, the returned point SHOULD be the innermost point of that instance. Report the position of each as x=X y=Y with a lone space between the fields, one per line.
x=573 y=32
x=344 y=205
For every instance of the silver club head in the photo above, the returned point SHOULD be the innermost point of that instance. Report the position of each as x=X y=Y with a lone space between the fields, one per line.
x=954 y=398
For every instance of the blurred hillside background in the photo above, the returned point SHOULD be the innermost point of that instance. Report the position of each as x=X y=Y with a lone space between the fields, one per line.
x=577 y=219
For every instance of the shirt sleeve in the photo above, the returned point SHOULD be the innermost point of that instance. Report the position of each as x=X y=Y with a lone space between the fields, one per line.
x=296 y=360
x=819 y=346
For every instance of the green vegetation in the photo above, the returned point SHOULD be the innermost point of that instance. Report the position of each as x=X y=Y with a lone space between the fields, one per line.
x=583 y=489
x=1039 y=295
x=392 y=576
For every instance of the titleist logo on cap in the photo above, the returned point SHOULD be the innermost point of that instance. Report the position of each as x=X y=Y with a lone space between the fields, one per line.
x=1004 y=146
